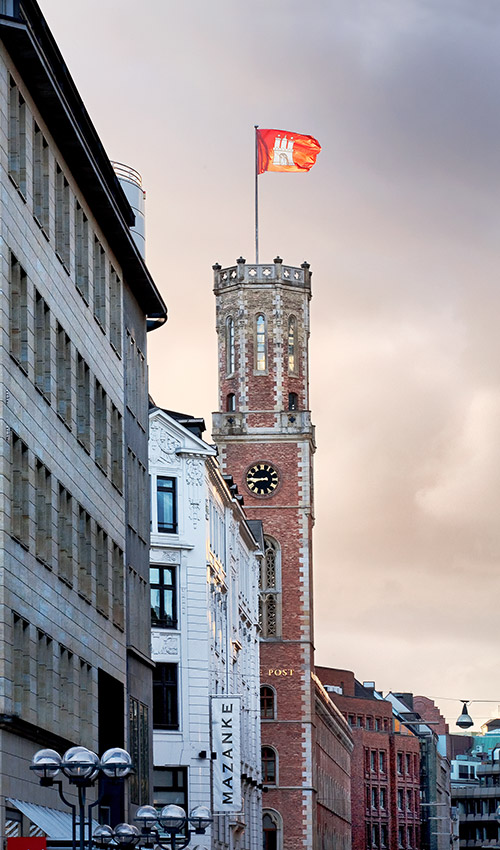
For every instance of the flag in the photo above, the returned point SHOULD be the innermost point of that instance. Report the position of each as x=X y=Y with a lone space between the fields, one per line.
x=280 y=150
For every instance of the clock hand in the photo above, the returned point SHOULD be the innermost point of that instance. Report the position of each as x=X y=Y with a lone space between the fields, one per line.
x=254 y=480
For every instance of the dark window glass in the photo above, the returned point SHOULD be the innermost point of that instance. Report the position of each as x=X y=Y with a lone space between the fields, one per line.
x=293 y=401
x=270 y=833
x=163 y=597
x=267 y=703
x=166 y=505
x=231 y=402
x=268 y=766
x=165 y=697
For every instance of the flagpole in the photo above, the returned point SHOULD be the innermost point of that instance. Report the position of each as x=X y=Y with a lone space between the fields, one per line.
x=256 y=197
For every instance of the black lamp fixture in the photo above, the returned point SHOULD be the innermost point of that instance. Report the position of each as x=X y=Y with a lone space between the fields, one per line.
x=82 y=768
x=465 y=721
x=171 y=820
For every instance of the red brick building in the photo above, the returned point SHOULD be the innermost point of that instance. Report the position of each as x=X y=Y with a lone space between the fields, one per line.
x=266 y=441
x=385 y=767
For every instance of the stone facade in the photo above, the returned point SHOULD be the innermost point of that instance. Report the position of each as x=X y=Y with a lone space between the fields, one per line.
x=71 y=277
x=207 y=640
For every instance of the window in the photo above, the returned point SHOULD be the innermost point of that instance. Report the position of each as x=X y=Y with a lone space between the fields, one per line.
x=293 y=401
x=17 y=138
x=165 y=697
x=81 y=252
x=63 y=375
x=116 y=448
x=117 y=579
x=377 y=724
x=21 y=664
x=83 y=403
x=267 y=698
x=369 y=723
x=18 y=317
x=84 y=554
x=65 y=536
x=62 y=214
x=384 y=835
x=408 y=764
x=374 y=798
x=272 y=829
x=230 y=402
x=383 y=798
x=43 y=513
x=86 y=701
x=401 y=836
x=101 y=427
x=42 y=347
x=139 y=750
x=170 y=787
x=44 y=674
x=102 y=571
x=292 y=345
x=381 y=761
x=163 y=597
x=270 y=587
x=19 y=491
x=40 y=179
x=99 y=283
x=260 y=343
x=375 y=842
x=230 y=357
x=166 y=502
x=399 y=762
x=409 y=801
x=400 y=799
x=115 y=305
x=373 y=761
x=268 y=758
x=351 y=720
x=66 y=691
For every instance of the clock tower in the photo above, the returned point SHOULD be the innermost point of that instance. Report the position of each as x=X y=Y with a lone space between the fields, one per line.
x=266 y=442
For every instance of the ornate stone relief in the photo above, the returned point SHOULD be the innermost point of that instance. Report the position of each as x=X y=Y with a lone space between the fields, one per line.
x=162 y=446
x=194 y=512
x=164 y=644
x=194 y=471
x=165 y=556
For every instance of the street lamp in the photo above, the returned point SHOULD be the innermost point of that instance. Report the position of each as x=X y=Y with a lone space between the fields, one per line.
x=82 y=768
x=172 y=819
x=465 y=721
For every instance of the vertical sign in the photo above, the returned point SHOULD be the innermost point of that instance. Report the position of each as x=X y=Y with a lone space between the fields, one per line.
x=226 y=745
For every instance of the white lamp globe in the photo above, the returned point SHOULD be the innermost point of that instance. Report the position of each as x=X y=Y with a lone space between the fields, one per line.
x=172 y=817
x=46 y=764
x=200 y=817
x=147 y=816
x=126 y=834
x=116 y=763
x=103 y=835
x=80 y=763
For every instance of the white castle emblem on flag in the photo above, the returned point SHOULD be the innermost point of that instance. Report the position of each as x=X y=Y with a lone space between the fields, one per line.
x=283 y=150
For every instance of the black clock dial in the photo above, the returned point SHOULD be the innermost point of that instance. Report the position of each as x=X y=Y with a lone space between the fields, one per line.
x=262 y=479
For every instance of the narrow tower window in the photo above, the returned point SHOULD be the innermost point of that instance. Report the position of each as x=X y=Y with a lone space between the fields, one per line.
x=260 y=343
x=270 y=590
x=292 y=344
x=293 y=401
x=230 y=402
x=230 y=359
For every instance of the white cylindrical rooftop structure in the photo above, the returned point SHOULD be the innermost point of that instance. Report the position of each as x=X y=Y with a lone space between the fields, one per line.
x=131 y=183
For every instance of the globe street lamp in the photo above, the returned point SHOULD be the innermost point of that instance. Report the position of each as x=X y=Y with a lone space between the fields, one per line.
x=82 y=768
x=172 y=819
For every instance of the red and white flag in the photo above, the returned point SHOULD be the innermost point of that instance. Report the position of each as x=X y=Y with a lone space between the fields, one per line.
x=280 y=150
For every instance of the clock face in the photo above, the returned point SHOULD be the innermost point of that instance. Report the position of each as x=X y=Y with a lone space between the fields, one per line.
x=262 y=479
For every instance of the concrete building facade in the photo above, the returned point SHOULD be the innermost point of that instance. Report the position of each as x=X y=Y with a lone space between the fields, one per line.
x=205 y=561
x=74 y=664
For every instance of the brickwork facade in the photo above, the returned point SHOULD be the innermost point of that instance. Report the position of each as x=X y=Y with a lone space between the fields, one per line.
x=266 y=442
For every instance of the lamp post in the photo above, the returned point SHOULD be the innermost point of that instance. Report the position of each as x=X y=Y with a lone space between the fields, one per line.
x=82 y=768
x=172 y=819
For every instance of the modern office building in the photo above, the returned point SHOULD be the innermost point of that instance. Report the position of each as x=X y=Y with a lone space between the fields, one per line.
x=75 y=298
x=265 y=438
x=205 y=562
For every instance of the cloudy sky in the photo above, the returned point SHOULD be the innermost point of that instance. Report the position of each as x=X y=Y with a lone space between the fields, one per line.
x=400 y=220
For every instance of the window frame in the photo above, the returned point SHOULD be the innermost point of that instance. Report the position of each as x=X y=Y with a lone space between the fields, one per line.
x=260 y=345
x=164 y=621
x=166 y=692
x=173 y=525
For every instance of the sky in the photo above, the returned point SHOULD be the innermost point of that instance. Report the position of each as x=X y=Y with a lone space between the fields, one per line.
x=400 y=221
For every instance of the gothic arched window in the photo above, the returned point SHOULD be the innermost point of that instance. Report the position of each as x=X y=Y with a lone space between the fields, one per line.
x=230 y=358
x=270 y=589
x=292 y=344
x=272 y=830
x=267 y=699
x=268 y=758
x=260 y=343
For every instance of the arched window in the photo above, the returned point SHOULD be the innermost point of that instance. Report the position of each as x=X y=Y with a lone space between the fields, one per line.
x=230 y=402
x=292 y=344
x=230 y=359
x=272 y=830
x=268 y=758
x=260 y=343
x=267 y=697
x=293 y=401
x=270 y=589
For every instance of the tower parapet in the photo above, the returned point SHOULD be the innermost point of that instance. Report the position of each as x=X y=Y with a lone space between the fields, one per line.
x=262 y=273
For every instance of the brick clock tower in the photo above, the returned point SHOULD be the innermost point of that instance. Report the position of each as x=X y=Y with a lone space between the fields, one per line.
x=266 y=442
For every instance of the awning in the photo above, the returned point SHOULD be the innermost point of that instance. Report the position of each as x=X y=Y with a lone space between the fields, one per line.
x=55 y=824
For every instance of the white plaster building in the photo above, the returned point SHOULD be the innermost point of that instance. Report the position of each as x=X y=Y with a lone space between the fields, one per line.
x=204 y=599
